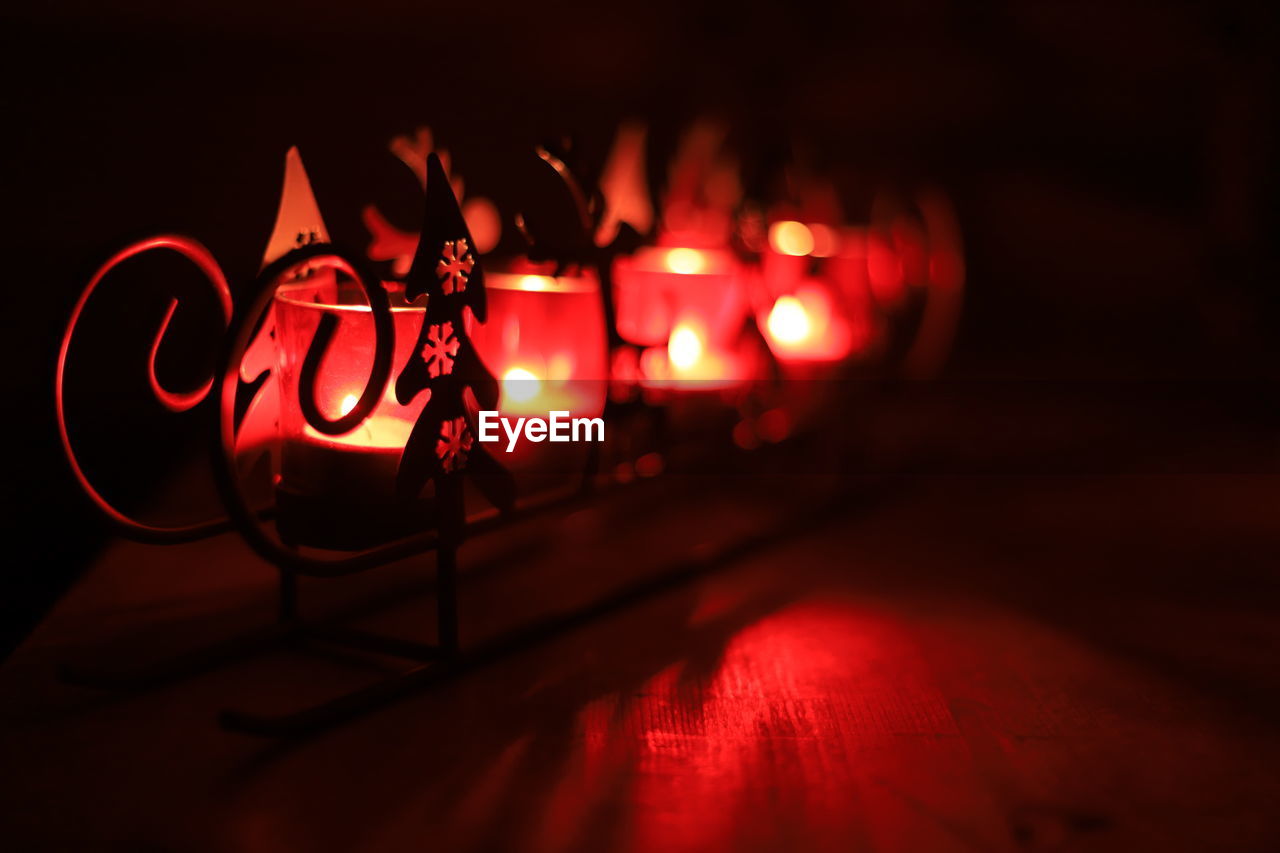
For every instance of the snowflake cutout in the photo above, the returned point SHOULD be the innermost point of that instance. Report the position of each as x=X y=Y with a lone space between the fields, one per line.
x=455 y=265
x=440 y=349
x=454 y=443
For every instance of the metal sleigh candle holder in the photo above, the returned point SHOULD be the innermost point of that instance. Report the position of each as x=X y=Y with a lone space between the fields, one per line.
x=371 y=465
x=438 y=448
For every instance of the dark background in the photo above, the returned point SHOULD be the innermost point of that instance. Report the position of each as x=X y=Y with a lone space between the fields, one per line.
x=1111 y=166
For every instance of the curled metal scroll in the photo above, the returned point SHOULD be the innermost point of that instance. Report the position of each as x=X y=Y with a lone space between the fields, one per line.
x=241 y=327
x=174 y=401
x=247 y=522
x=384 y=334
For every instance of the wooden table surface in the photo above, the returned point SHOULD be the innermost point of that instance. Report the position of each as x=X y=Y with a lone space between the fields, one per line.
x=951 y=663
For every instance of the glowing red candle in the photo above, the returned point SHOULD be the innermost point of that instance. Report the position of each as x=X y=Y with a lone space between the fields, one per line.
x=805 y=325
x=687 y=306
x=806 y=318
x=691 y=362
x=657 y=286
x=545 y=341
x=361 y=462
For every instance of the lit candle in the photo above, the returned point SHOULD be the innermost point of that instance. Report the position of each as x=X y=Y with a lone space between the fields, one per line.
x=545 y=341
x=806 y=318
x=687 y=306
x=362 y=462
x=689 y=361
x=657 y=286
x=805 y=326
x=341 y=486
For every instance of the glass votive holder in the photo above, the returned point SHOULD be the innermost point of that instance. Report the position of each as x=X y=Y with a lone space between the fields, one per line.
x=338 y=491
x=545 y=342
x=657 y=287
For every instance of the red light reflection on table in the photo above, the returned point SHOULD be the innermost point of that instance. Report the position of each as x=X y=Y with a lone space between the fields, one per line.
x=708 y=753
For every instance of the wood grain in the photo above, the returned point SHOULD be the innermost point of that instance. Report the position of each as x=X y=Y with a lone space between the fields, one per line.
x=968 y=664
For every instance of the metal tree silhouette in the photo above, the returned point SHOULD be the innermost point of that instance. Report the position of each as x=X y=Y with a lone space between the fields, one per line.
x=441 y=448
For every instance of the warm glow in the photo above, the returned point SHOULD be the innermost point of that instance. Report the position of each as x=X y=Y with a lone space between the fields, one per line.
x=484 y=222
x=348 y=403
x=690 y=361
x=686 y=261
x=789 y=321
x=685 y=347
x=885 y=272
x=519 y=385
x=791 y=238
x=536 y=282
x=807 y=326
x=825 y=240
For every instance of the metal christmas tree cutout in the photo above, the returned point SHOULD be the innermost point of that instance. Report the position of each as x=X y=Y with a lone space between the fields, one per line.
x=444 y=365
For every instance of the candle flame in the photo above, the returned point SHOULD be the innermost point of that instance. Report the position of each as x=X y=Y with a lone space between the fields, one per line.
x=789 y=321
x=536 y=282
x=348 y=403
x=684 y=347
x=686 y=261
x=808 y=326
x=520 y=385
x=791 y=238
